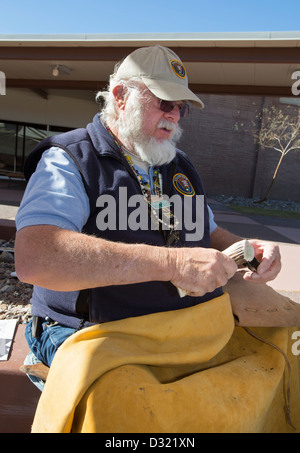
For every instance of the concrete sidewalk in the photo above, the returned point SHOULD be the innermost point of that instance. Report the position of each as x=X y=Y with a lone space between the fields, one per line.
x=285 y=232
x=275 y=229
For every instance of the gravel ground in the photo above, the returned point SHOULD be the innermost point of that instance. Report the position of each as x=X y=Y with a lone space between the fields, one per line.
x=280 y=205
x=14 y=295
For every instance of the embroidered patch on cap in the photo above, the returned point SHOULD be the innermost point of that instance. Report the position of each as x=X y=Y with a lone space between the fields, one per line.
x=178 y=68
x=182 y=185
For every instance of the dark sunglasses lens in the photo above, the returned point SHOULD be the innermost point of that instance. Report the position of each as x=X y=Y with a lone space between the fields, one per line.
x=167 y=106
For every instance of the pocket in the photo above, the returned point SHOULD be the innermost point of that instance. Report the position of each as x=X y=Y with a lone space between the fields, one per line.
x=58 y=334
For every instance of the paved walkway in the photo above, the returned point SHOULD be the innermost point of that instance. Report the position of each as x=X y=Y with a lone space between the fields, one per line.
x=286 y=232
x=275 y=229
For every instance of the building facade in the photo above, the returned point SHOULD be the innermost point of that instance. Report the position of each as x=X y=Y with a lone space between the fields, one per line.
x=49 y=86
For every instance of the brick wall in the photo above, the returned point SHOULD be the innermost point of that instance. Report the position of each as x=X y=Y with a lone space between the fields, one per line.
x=223 y=150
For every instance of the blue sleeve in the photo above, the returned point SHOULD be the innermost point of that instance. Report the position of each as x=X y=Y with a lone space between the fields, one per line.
x=212 y=223
x=55 y=194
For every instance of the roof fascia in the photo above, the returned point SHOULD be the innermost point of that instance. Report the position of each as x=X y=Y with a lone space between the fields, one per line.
x=287 y=55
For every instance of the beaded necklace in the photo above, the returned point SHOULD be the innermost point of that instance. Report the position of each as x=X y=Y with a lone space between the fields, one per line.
x=145 y=186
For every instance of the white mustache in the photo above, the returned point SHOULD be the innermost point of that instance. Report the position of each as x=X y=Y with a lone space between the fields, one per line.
x=165 y=124
x=175 y=128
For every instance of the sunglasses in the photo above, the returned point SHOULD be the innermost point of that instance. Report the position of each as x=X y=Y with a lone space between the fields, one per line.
x=168 y=106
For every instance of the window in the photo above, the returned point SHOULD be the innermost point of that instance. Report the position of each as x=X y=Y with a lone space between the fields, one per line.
x=17 y=140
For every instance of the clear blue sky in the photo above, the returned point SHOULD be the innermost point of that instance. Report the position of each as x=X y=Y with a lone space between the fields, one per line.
x=148 y=16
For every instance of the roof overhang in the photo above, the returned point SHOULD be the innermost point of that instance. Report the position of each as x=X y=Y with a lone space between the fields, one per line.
x=232 y=63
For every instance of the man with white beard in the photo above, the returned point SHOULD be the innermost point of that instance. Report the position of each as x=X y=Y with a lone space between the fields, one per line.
x=83 y=276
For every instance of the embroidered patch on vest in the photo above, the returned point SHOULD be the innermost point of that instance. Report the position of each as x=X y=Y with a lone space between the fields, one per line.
x=178 y=68
x=182 y=185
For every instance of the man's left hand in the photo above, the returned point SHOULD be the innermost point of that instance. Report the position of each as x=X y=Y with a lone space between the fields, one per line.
x=268 y=255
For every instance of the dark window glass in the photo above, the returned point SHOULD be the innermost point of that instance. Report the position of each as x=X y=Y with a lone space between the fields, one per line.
x=17 y=140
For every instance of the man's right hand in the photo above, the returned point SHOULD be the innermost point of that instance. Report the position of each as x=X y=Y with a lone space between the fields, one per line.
x=199 y=270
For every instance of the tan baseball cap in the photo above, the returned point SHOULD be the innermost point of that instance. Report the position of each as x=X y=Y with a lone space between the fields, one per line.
x=162 y=72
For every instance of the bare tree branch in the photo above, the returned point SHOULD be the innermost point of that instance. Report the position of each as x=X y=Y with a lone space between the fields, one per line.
x=279 y=131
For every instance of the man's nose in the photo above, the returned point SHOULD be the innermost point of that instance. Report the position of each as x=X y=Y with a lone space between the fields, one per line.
x=174 y=114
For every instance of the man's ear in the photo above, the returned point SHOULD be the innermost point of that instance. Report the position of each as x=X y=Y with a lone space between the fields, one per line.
x=119 y=95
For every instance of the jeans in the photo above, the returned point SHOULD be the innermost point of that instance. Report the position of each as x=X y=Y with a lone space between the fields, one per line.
x=44 y=346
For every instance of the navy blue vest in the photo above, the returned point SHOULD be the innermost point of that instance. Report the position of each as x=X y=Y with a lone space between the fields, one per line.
x=104 y=170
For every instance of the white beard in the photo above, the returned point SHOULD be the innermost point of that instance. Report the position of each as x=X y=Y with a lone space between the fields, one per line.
x=156 y=152
x=150 y=150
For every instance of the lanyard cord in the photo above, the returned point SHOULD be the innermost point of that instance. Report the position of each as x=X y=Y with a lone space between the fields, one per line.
x=160 y=213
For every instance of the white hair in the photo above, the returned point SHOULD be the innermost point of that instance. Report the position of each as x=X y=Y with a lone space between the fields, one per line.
x=106 y=99
x=129 y=126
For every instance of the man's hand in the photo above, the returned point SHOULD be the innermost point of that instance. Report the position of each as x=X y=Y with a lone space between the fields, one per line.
x=268 y=255
x=200 y=270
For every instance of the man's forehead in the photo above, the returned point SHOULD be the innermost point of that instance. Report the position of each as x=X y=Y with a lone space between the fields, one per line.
x=145 y=90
